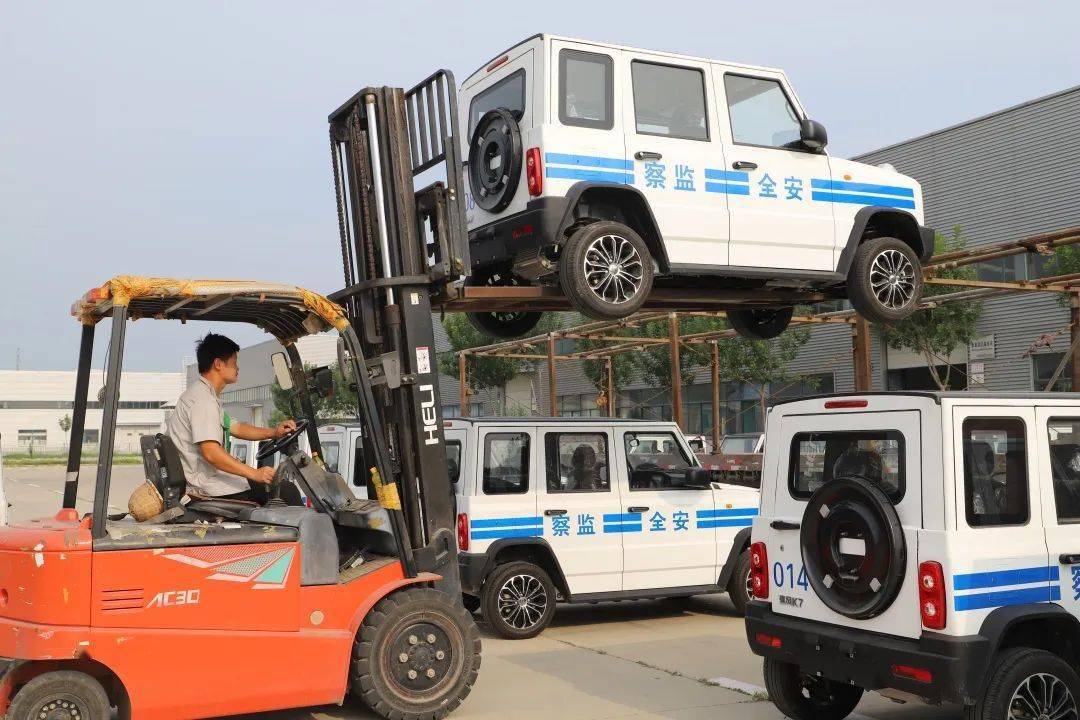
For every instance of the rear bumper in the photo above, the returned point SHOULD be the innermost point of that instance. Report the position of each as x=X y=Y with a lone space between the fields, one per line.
x=957 y=664
x=504 y=240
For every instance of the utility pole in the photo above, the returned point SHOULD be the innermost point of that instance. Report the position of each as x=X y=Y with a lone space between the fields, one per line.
x=676 y=371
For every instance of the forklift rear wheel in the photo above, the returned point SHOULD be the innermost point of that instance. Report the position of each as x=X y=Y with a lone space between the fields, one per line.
x=605 y=270
x=416 y=655
x=61 y=695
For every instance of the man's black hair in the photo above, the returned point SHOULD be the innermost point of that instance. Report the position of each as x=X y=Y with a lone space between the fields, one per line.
x=214 y=347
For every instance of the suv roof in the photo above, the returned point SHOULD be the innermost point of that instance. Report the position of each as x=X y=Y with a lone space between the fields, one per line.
x=612 y=46
x=939 y=395
x=547 y=419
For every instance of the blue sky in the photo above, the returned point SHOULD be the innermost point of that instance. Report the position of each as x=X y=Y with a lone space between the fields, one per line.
x=189 y=139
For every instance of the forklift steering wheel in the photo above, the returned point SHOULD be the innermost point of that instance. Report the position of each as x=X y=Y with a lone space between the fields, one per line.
x=282 y=442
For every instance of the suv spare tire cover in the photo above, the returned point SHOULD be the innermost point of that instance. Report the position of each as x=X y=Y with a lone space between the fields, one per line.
x=853 y=509
x=495 y=158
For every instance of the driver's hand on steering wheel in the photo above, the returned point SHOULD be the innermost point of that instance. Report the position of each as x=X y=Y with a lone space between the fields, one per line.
x=264 y=475
x=284 y=428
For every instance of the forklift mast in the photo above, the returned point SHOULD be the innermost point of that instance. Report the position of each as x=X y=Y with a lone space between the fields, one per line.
x=402 y=248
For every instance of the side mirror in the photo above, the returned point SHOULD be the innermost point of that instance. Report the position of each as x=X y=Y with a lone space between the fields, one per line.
x=344 y=361
x=322 y=382
x=281 y=370
x=813 y=135
x=698 y=477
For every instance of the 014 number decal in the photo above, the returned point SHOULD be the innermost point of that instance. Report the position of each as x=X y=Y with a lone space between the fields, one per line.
x=785 y=576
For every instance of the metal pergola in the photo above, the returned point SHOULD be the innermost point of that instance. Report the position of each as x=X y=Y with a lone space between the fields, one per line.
x=605 y=333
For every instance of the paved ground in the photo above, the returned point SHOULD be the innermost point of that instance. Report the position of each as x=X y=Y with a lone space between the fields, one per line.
x=645 y=659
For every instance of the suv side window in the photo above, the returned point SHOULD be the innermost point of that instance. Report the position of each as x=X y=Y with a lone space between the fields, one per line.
x=586 y=89
x=761 y=113
x=331 y=455
x=995 y=472
x=655 y=461
x=669 y=101
x=819 y=457
x=1064 y=437
x=506 y=463
x=508 y=93
x=576 y=462
x=453 y=460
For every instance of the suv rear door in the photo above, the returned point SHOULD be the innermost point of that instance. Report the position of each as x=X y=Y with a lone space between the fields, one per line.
x=503 y=505
x=1059 y=460
x=809 y=447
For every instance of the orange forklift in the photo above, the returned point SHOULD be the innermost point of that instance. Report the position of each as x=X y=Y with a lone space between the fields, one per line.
x=212 y=607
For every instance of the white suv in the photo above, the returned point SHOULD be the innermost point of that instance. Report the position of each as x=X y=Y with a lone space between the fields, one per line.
x=589 y=509
x=607 y=169
x=924 y=545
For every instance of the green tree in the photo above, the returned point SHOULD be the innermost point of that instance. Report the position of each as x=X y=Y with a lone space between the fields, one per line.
x=934 y=333
x=342 y=406
x=762 y=364
x=655 y=362
x=65 y=425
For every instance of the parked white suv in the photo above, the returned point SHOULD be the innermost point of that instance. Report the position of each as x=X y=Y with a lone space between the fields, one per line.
x=609 y=169
x=925 y=545
x=587 y=509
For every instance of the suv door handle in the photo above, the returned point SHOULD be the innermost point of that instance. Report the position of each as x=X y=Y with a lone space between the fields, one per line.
x=551 y=513
x=744 y=165
x=1067 y=559
x=637 y=509
x=784 y=525
x=647 y=155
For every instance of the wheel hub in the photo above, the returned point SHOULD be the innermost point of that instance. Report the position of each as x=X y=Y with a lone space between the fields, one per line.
x=522 y=601
x=613 y=269
x=58 y=709
x=420 y=658
x=1042 y=697
x=892 y=279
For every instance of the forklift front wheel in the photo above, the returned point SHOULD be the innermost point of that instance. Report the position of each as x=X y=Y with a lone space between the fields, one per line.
x=416 y=656
x=67 y=694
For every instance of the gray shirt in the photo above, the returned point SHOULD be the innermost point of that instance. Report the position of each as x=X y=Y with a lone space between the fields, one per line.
x=199 y=417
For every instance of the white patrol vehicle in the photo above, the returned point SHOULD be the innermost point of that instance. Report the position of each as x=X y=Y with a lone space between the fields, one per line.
x=606 y=168
x=589 y=509
x=925 y=545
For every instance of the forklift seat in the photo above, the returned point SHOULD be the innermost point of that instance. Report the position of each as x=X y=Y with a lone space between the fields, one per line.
x=161 y=461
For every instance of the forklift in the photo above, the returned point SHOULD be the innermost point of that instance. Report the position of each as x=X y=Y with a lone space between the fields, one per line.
x=214 y=607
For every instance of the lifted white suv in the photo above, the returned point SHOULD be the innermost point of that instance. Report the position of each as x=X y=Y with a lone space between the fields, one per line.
x=922 y=545
x=607 y=169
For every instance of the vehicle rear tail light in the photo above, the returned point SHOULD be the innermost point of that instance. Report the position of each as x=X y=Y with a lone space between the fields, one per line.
x=463 y=532
x=534 y=171
x=932 y=595
x=759 y=576
x=842 y=404
x=913 y=673
x=768 y=640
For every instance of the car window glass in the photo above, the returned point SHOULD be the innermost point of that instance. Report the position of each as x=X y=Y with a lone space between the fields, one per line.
x=508 y=93
x=995 y=472
x=576 y=462
x=453 y=459
x=331 y=454
x=655 y=461
x=738 y=444
x=1063 y=435
x=760 y=113
x=359 y=477
x=506 y=463
x=586 y=89
x=240 y=452
x=669 y=101
x=820 y=457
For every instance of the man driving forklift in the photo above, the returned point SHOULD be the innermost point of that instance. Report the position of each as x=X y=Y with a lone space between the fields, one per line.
x=202 y=430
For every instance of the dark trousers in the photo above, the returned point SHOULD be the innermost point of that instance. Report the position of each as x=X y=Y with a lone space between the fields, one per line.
x=260 y=493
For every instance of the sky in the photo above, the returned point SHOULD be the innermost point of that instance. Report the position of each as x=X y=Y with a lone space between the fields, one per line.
x=189 y=139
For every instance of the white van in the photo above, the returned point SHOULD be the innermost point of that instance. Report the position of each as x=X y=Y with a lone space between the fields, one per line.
x=607 y=169
x=587 y=509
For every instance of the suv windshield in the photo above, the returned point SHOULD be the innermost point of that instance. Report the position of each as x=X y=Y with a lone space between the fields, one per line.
x=874 y=455
x=508 y=93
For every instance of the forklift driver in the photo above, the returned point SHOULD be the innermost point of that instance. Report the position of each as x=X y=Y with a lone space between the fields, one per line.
x=201 y=430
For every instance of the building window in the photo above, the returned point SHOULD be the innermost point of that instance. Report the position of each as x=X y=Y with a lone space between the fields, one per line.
x=246 y=395
x=91 y=437
x=1043 y=366
x=579 y=405
x=32 y=438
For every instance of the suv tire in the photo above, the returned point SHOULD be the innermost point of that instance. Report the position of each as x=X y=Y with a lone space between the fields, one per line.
x=739 y=589
x=518 y=600
x=504 y=324
x=606 y=270
x=76 y=695
x=418 y=624
x=806 y=697
x=495 y=158
x=1033 y=678
x=885 y=281
x=761 y=323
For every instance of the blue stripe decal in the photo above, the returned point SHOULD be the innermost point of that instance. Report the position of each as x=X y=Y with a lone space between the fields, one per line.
x=733 y=522
x=625 y=528
x=507 y=522
x=733 y=512
x=560 y=173
x=507 y=533
x=588 y=161
x=1000 y=578
x=981 y=601
x=862 y=200
x=727 y=175
x=622 y=517
x=726 y=188
x=862 y=187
